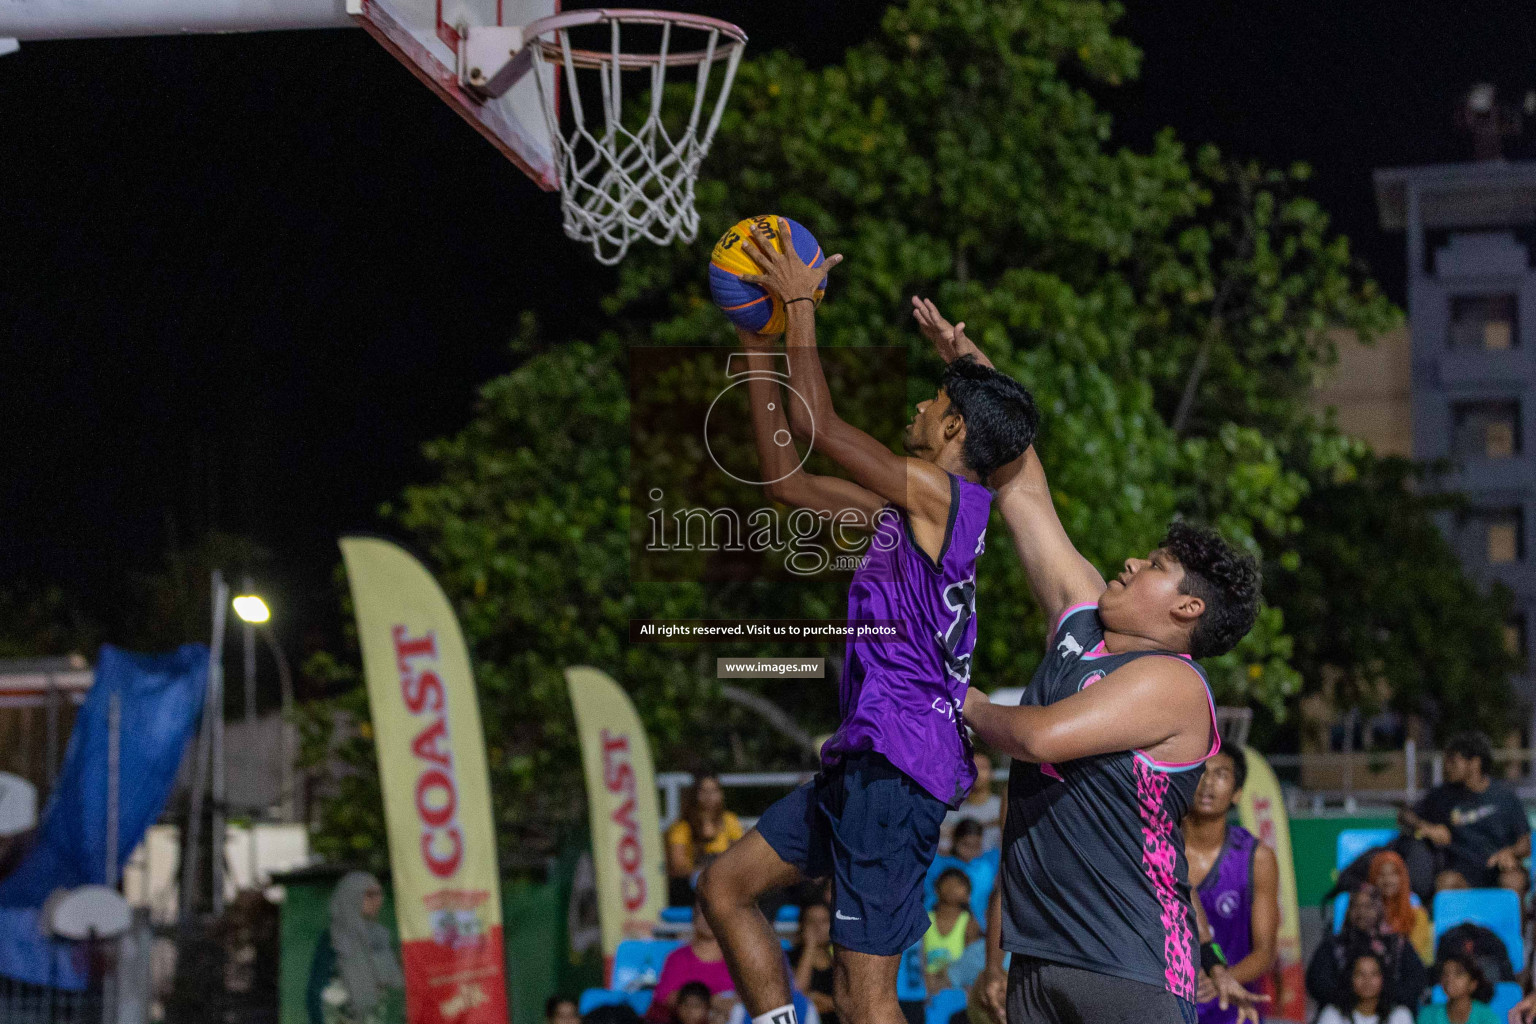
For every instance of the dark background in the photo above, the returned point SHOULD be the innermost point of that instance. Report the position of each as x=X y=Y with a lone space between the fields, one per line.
x=243 y=278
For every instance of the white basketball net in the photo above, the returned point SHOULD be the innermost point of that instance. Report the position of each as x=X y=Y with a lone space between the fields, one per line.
x=619 y=183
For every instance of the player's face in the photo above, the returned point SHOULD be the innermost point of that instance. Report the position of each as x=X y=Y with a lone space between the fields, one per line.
x=1144 y=594
x=1213 y=797
x=925 y=435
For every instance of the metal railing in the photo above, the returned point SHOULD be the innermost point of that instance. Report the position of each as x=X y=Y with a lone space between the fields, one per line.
x=1316 y=783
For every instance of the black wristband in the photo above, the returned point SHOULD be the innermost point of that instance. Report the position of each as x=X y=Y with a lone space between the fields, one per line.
x=1211 y=956
x=803 y=298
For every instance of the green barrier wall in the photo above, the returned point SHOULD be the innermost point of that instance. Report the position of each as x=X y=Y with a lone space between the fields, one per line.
x=1313 y=848
x=533 y=930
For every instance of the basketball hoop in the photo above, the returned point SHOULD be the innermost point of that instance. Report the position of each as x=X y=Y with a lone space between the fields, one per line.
x=618 y=183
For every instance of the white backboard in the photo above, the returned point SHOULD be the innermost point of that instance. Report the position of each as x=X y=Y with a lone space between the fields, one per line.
x=425 y=35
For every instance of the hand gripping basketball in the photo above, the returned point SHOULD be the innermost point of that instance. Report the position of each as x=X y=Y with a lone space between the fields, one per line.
x=784 y=274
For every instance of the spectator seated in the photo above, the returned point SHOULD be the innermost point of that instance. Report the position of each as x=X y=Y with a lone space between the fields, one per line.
x=637 y=963
x=982 y=871
x=944 y=1004
x=1505 y=995
x=1497 y=910
x=1341 y=908
x=1355 y=842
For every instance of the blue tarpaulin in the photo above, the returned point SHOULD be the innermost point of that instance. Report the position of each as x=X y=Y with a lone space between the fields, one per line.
x=161 y=701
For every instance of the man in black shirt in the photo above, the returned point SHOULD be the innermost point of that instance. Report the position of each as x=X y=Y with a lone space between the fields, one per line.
x=1475 y=823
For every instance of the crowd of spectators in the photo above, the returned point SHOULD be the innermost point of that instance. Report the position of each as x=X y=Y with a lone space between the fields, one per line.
x=1377 y=968
x=1469 y=832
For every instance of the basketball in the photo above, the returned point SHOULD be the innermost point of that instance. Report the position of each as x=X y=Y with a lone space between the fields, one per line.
x=747 y=305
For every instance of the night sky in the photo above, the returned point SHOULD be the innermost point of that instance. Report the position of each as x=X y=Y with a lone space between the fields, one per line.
x=243 y=278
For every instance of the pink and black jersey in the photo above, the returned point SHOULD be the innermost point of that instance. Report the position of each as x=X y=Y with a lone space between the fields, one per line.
x=1093 y=854
x=902 y=699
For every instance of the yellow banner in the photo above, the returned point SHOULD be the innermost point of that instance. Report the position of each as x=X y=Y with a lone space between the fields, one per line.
x=437 y=801
x=1262 y=812
x=621 y=797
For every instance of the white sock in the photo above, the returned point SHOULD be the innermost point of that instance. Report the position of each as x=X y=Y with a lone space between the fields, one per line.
x=783 y=1015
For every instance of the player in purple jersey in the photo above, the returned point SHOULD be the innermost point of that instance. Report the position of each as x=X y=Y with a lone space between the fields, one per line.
x=1236 y=878
x=1108 y=744
x=871 y=817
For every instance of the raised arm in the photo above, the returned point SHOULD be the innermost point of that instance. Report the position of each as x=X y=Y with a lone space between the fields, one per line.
x=1059 y=577
x=776 y=453
x=919 y=487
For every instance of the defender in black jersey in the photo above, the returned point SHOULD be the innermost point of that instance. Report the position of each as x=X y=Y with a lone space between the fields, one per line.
x=1109 y=742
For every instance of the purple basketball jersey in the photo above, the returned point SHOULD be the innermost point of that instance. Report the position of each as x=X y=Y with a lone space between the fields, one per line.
x=902 y=698
x=1227 y=896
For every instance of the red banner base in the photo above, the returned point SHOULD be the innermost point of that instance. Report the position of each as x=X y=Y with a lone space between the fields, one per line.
x=463 y=983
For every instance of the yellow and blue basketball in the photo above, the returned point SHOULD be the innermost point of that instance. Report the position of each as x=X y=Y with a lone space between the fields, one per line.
x=745 y=304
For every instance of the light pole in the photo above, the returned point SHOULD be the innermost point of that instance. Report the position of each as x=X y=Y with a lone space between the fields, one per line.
x=254 y=611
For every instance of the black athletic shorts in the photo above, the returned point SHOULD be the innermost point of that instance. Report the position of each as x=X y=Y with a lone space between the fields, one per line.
x=1040 y=992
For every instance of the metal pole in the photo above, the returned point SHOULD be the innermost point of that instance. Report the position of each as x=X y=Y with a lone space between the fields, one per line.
x=287 y=798
x=1411 y=770
x=190 y=882
x=248 y=634
x=216 y=696
x=52 y=770
x=114 y=781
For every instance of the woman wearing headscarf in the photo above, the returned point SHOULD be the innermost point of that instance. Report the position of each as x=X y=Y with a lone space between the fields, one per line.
x=1389 y=874
x=355 y=962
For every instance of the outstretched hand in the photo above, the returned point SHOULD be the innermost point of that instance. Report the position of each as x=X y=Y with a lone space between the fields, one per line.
x=949 y=339
x=783 y=274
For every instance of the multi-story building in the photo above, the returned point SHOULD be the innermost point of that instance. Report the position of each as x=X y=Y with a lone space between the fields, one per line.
x=1472 y=324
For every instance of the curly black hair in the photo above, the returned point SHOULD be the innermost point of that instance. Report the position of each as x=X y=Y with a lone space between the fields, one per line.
x=1224 y=578
x=999 y=413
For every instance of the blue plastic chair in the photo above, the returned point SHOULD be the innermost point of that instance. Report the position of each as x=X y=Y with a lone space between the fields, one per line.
x=1505 y=995
x=637 y=962
x=944 y=1004
x=640 y=999
x=911 y=986
x=788 y=914
x=1498 y=910
x=1355 y=841
x=592 y=998
x=677 y=915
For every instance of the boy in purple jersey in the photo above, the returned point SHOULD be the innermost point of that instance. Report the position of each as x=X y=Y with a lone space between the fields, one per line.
x=1236 y=878
x=871 y=818
x=1108 y=742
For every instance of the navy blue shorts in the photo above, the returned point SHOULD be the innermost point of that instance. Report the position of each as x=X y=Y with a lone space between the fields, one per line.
x=875 y=831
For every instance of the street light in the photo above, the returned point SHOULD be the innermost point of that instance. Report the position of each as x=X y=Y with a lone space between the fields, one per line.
x=252 y=609
x=254 y=612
